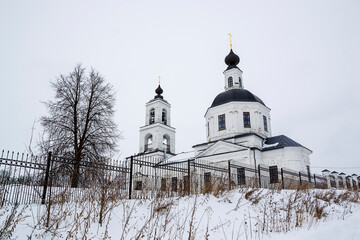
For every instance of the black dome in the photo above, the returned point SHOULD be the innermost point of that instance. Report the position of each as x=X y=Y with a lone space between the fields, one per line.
x=232 y=59
x=235 y=95
x=159 y=91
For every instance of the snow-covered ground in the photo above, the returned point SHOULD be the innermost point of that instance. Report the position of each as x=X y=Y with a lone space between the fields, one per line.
x=239 y=214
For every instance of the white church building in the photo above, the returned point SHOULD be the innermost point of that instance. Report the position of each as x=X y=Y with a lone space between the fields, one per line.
x=238 y=129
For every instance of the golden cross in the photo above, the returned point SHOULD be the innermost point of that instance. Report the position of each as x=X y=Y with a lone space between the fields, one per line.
x=230 y=40
x=159 y=80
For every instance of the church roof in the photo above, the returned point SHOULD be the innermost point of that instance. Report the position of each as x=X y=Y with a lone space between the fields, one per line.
x=236 y=95
x=280 y=141
x=271 y=143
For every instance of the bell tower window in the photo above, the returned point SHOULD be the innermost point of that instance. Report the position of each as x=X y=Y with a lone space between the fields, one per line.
x=246 y=117
x=230 y=82
x=152 y=116
x=221 y=119
x=148 y=142
x=166 y=143
x=164 y=117
x=240 y=82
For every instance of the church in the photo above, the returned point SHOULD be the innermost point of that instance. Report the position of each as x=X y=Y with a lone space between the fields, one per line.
x=238 y=129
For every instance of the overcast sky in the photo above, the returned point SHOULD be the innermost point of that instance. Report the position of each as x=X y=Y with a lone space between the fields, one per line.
x=302 y=58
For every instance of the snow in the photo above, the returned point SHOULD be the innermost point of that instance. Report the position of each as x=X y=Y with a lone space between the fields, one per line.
x=270 y=145
x=180 y=157
x=239 y=214
x=344 y=228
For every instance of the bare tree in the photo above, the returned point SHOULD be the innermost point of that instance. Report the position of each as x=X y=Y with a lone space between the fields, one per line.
x=80 y=122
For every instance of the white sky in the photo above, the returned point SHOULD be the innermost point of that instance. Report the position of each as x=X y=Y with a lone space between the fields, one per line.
x=300 y=57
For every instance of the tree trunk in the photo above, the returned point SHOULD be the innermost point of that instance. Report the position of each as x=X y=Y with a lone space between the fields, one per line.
x=76 y=173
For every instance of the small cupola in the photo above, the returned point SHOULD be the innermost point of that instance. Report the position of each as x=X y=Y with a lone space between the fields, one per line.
x=233 y=74
x=232 y=60
x=159 y=91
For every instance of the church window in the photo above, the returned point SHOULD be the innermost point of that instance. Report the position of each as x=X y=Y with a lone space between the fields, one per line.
x=221 y=119
x=241 y=176
x=246 y=116
x=274 y=174
x=148 y=142
x=163 y=184
x=152 y=116
x=230 y=82
x=240 y=82
x=208 y=129
x=174 y=184
x=207 y=181
x=265 y=124
x=164 y=117
x=166 y=143
x=138 y=185
x=186 y=184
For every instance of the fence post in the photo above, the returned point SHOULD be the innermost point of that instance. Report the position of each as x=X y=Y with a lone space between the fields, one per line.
x=229 y=171
x=189 y=179
x=259 y=172
x=314 y=180
x=46 y=180
x=131 y=173
x=300 y=178
x=282 y=179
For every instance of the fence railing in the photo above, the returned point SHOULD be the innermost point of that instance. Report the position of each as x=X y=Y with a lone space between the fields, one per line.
x=27 y=179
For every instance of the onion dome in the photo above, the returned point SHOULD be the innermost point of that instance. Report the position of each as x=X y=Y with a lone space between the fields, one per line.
x=158 y=91
x=236 y=95
x=232 y=60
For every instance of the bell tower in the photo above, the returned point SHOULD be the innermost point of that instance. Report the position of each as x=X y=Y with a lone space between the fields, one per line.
x=157 y=137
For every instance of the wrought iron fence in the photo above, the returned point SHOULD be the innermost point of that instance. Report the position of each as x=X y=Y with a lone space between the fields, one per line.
x=26 y=179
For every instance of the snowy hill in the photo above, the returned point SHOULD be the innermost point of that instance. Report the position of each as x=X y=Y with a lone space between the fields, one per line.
x=240 y=214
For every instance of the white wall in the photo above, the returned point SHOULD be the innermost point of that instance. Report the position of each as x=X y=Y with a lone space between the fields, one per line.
x=157 y=129
x=234 y=120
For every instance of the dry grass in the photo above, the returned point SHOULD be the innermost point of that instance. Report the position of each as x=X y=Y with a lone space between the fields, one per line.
x=14 y=216
x=303 y=207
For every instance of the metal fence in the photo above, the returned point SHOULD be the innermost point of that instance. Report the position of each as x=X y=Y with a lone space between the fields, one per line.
x=150 y=177
x=27 y=179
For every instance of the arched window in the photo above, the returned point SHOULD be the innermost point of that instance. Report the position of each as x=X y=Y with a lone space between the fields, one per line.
x=166 y=143
x=221 y=119
x=148 y=142
x=230 y=82
x=152 y=116
x=164 y=117
x=246 y=118
x=240 y=82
